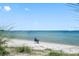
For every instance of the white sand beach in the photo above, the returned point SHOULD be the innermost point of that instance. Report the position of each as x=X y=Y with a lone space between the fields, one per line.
x=43 y=45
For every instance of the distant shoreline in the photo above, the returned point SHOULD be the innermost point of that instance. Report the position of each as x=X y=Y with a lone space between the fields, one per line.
x=43 y=30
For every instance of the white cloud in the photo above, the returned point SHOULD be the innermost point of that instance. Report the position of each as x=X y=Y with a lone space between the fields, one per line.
x=6 y=8
x=27 y=9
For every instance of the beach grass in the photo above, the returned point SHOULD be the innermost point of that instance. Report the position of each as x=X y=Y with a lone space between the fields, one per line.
x=3 y=50
x=24 y=49
x=57 y=53
x=61 y=53
x=28 y=51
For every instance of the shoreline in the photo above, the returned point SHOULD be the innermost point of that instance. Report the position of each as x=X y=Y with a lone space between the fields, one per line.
x=43 y=45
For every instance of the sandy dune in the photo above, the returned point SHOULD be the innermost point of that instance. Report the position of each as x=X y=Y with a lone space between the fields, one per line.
x=43 y=45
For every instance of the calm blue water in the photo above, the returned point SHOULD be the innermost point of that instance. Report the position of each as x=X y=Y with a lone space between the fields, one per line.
x=64 y=37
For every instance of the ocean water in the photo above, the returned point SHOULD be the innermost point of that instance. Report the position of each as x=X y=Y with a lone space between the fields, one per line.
x=63 y=37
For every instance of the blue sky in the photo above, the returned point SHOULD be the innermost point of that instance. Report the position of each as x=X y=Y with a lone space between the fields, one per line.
x=30 y=16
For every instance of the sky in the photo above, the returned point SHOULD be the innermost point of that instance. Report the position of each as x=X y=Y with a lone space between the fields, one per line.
x=38 y=16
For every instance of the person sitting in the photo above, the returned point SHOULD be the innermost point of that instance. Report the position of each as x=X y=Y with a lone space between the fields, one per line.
x=36 y=40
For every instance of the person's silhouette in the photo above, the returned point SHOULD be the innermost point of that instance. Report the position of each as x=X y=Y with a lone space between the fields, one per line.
x=36 y=40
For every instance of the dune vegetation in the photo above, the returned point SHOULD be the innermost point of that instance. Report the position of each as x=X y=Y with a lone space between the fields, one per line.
x=3 y=42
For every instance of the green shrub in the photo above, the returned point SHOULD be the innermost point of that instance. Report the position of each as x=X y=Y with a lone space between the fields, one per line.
x=24 y=49
x=57 y=53
x=60 y=53
x=3 y=51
